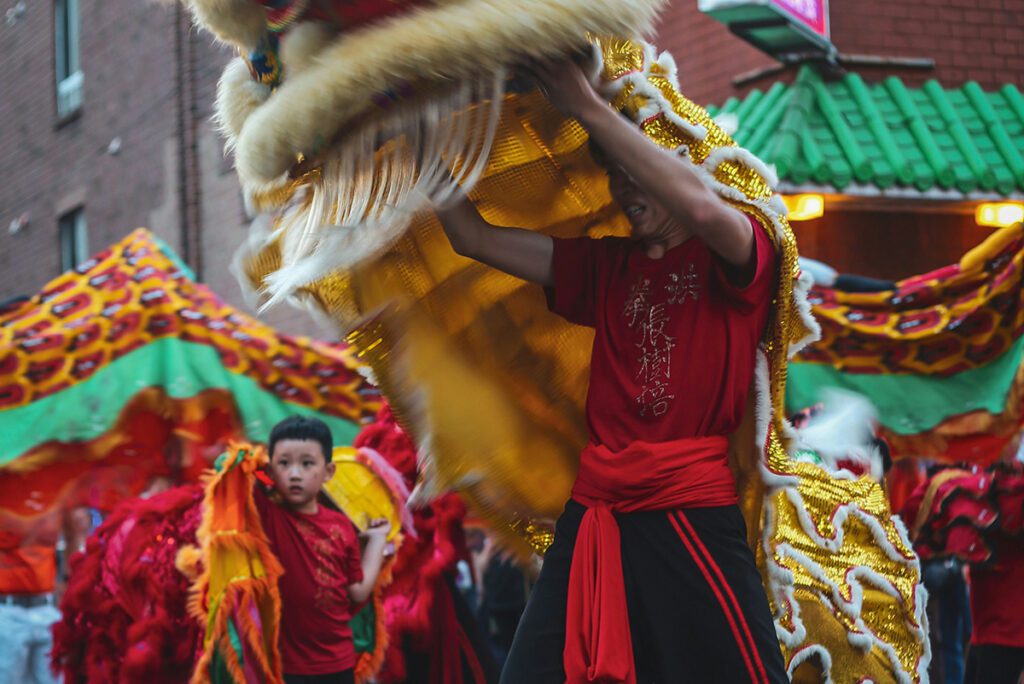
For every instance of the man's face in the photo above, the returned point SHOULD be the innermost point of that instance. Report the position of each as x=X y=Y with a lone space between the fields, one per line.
x=647 y=218
x=299 y=470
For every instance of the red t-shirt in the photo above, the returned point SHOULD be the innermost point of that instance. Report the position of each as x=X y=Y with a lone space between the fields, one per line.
x=675 y=341
x=320 y=556
x=997 y=597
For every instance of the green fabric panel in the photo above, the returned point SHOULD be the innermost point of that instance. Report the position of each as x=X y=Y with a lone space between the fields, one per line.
x=911 y=404
x=364 y=629
x=236 y=642
x=182 y=369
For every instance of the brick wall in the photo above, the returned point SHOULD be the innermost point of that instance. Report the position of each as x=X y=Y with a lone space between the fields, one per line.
x=707 y=55
x=981 y=40
x=128 y=92
x=127 y=55
x=978 y=40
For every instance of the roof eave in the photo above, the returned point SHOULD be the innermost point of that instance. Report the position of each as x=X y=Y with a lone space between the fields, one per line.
x=868 y=191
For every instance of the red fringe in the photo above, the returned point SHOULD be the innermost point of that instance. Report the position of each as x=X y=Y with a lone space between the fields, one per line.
x=124 y=615
x=387 y=438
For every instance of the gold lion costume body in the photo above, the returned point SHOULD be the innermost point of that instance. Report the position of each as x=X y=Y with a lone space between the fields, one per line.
x=345 y=135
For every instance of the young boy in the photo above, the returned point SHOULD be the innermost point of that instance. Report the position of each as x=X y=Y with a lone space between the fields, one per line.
x=324 y=578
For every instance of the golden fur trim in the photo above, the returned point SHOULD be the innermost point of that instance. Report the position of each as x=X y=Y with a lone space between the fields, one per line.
x=238 y=95
x=241 y=23
x=301 y=45
x=452 y=42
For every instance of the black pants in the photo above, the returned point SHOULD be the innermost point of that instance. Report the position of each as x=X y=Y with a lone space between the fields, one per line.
x=344 y=677
x=994 y=665
x=697 y=608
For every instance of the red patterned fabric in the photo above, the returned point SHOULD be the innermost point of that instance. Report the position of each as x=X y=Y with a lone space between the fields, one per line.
x=978 y=517
x=937 y=324
x=965 y=514
x=651 y=377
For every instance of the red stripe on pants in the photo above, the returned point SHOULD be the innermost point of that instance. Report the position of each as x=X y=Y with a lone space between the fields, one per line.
x=744 y=648
x=729 y=593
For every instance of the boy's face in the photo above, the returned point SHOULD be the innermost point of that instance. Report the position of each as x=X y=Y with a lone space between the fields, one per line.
x=299 y=469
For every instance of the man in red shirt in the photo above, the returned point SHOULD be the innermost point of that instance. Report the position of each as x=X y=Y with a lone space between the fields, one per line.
x=649 y=578
x=324 y=578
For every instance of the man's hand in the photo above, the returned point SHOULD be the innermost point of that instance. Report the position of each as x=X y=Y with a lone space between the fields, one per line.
x=564 y=82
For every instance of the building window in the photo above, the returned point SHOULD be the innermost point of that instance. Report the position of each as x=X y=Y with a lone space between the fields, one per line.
x=74 y=239
x=68 y=70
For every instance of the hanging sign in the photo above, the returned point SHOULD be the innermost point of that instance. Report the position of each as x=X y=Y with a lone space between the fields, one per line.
x=785 y=29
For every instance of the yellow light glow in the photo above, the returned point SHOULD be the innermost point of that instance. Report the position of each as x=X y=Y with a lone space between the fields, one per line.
x=999 y=214
x=804 y=207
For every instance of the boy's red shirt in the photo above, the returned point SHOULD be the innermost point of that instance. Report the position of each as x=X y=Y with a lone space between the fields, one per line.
x=320 y=556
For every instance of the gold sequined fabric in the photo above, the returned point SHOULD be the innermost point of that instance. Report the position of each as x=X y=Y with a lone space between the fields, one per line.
x=492 y=385
x=844 y=580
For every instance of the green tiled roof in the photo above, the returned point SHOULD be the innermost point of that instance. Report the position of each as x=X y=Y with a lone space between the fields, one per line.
x=842 y=132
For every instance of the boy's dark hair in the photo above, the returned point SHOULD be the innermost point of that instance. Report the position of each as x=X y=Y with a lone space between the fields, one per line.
x=303 y=428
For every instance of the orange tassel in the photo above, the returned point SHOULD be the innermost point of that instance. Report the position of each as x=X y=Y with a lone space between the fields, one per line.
x=233 y=544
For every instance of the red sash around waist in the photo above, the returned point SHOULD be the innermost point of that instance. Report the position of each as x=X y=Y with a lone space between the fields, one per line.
x=687 y=473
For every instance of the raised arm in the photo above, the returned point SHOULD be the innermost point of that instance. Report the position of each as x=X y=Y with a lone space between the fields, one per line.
x=372 y=561
x=521 y=253
x=671 y=180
